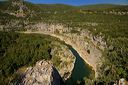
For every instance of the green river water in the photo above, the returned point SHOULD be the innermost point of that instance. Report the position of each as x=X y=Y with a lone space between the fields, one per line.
x=80 y=71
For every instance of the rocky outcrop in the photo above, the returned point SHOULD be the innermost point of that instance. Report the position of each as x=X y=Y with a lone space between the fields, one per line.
x=43 y=73
x=50 y=28
x=121 y=81
x=15 y=15
x=63 y=59
x=19 y=9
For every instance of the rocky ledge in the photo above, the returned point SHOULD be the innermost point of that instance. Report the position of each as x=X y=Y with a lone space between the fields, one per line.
x=43 y=73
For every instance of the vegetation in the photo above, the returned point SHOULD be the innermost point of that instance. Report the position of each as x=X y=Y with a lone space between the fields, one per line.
x=108 y=21
x=17 y=50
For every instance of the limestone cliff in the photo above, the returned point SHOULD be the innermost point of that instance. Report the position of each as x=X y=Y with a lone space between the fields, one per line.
x=43 y=73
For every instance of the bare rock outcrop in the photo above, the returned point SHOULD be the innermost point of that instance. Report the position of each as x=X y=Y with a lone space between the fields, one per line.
x=43 y=73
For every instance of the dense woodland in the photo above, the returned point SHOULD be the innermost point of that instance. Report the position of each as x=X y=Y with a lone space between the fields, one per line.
x=113 y=26
x=18 y=50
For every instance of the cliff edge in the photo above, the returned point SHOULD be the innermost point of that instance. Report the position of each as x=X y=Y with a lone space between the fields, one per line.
x=43 y=73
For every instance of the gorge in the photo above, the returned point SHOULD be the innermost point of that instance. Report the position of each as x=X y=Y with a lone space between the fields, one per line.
x=82 y=68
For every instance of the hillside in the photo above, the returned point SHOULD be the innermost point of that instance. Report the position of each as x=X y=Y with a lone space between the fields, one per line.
x=96 y=31
x=100 y=6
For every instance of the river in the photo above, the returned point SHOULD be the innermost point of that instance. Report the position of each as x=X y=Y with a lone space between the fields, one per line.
x=80 y=71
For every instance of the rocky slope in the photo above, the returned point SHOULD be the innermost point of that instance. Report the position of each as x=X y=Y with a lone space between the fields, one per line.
x=14 y=14
x=17 y=8
x=43 y=73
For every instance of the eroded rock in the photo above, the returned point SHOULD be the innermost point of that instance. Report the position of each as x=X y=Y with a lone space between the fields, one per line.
x=43 y=73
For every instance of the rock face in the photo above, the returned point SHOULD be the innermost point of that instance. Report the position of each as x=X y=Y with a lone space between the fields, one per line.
x=43 y=73
x=63 y=59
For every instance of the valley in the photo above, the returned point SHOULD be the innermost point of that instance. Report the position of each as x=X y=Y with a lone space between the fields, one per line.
x=76 y=45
